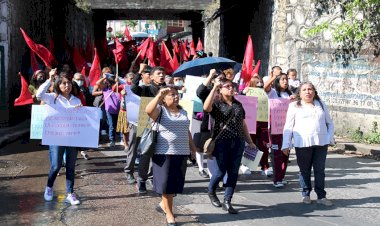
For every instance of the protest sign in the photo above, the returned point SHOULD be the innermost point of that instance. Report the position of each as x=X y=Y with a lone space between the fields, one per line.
x=250 y=107
x=143 y=119
x=75 y=127
x=191 y=84
x=132 y=105
x=187 y=105
x=37 y=121
x=278 y=108
x=262 y=103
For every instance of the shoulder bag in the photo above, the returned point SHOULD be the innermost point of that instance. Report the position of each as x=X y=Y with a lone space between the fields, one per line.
x=149 y=139
x=209 y=145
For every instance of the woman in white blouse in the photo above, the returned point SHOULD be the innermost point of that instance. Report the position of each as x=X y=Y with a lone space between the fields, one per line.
x=61 y=97
x=309 y=124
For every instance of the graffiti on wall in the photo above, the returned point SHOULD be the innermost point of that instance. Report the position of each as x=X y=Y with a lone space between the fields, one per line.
x=352 y=88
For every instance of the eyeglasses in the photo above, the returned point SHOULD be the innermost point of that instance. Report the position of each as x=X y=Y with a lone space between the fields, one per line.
x=227 y=86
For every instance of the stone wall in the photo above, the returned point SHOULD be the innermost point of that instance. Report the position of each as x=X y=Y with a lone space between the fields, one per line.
x=41 y=20
x=352 y=92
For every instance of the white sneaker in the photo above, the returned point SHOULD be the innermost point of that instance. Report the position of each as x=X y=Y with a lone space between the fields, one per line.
x=306 y=200
x=284 y=182
x=267 y=172
x=84 y=154
x=278 y=185
x=72 y=199
x=48 y=195
x=245 y=170
x=325 y=202
x=112 y=144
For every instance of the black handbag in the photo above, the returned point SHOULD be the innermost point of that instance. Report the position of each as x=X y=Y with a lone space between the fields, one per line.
x=149 y=139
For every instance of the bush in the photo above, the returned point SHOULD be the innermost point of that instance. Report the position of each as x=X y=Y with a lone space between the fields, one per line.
x=370 y=138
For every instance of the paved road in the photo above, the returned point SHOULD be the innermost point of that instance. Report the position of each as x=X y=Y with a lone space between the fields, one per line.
x=353 y=184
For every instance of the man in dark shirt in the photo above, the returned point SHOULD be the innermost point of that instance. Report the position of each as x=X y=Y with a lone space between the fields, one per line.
x=143 y=90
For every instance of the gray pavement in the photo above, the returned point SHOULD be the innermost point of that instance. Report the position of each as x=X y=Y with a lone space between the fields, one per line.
x=352 y=183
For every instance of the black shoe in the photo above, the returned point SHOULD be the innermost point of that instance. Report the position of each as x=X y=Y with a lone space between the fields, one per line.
x=227 y=206
x=171 y=224
x=130 y=178
x=203 y=174
x=141 y=187
x=214 y=199
x=159 y=209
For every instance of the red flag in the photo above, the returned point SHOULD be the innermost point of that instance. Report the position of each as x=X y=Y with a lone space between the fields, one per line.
x=118 y=51
x=150 y=54
x=174 y=62
x=246 y=71
x=127 y=34
x=33 y=62
x=199 y=45
x=143 y=48
x=192 y=48
x=83 y=71
x=187 y=51
x=40 y=50
x=183 y=51
x=95 y=71
x=25 y=96
x=166 y=59
x=78 y=59
x=175 y=47
x=257 y=68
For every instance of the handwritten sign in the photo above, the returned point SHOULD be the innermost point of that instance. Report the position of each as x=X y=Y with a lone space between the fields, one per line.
x=75 y=127
x=192 y=83
x=250 y=107
x=188 y=106
x=132 y=105
x=278 y=108
x=37 y=121
x=143 y=118
x=262 y=103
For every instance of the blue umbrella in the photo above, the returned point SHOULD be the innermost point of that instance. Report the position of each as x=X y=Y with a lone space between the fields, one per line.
x=202 y=66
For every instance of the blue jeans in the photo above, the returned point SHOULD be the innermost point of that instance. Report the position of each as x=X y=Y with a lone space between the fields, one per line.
x=112 y=122
x=314 y=156
x=56 y=158
x=228 y=154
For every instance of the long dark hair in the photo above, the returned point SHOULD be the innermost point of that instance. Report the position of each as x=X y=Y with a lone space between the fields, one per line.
x=298 y=96
x=58 y=82
x=277 y=85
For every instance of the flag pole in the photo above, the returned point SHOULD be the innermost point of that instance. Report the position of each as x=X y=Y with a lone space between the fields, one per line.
x=117 y=78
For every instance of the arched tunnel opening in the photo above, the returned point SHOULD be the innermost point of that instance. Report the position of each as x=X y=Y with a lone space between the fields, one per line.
x=65 y=25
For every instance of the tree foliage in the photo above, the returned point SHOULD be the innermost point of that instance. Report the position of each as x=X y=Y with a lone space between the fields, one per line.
x=358 y=26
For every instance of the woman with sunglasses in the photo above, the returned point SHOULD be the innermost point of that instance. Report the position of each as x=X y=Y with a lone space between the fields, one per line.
x=229 y=115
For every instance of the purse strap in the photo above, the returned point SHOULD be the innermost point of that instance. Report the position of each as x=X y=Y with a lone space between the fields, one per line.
x=157 y=121
x=225 y=125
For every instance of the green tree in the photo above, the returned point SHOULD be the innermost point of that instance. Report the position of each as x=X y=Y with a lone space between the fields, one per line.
x=130 y=23
x=359 y=25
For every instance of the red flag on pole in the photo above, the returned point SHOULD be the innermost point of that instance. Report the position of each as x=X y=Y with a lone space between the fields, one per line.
x=183 y=51
x=166 y=59
x=143 y=48
x=192 y=48
x=25 y=96
x=33 y=62
x=174 y=62
x=257 y=68
x=150 y=53
x=95 y=71
x=175 y=47
x=246 y=71
x=118 y=51
x=40 y=50
x=127 y=34
x=199 y=45
x=78 y=59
